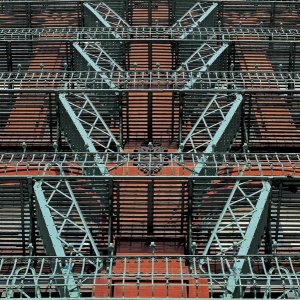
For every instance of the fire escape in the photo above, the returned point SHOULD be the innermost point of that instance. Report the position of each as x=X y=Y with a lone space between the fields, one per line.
x=149 y=149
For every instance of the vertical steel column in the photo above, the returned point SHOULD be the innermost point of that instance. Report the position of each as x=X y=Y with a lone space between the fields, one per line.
x=231 y=57
x=50 y=117
x=28 y=15
x=183 y=190
x=9 y=57
x=121 y=135
x=173 y=11
x=58 y=123
x=249 y=118
x=244 y=138
x=220 y=14
x=278 y=211
x=181 y=103
x=32 y=231
x=150 y=227
x=110 y=211
x=190 y=216
x=80 y=14
x=150 y=94
x=173 y=118
x=150 y=117
x=23 y=216
x=150 y=12
x=272 y=14
x=118 y=199
x=268 y=234
x=292 y=64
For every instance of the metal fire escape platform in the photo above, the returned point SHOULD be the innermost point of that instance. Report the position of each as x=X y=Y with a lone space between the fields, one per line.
x=208 y=210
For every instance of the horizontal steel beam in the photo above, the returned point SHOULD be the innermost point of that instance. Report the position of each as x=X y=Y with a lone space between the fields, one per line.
x=222 y=81
x=159 y=34
x=260 y=165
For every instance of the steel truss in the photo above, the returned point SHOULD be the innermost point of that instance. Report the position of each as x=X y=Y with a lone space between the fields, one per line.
x=58 y=212
x=203 y=58
x=93 y=57
x=240 y=228
x=198 y=15
x=56 y=200
x=222 y=81
x=93 y=131
x=214 y=62
x=59 y=215
x=59 y=218
x=105 y=15
x=158 y=34
x=81 y=164
x=269 y=276
x=215 y=129
x=254 y=213
x=83 y=125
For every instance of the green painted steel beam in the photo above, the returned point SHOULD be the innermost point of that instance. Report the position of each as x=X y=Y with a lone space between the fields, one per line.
x=95 y=67
x=250 y=244
x=61 y=213
x=97 y=15
x=223 y=138
x=77 y=136
x=53 y=245
x=203 y=58
x=196 y=16
x=59 y=217
x=212 y=63
x=227 y=125
x=105 y=15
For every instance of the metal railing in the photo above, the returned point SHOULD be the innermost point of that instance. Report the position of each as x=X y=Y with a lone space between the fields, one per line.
x=230 y=165
x=267 y=276
x=155 y=33
x=221 y=81
x=258 y=34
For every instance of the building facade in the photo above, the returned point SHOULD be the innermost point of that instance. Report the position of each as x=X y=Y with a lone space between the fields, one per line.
x=149 y=149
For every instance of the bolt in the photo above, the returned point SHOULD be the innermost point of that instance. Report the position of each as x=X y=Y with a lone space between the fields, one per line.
x=152 y=247
x=24 y=146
